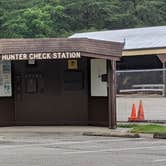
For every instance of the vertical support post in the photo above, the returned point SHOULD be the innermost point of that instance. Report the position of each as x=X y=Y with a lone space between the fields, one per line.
x=111 y=89
x=162 y=58
x=164 y=78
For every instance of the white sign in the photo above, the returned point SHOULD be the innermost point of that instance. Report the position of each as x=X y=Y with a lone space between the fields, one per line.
x=98 y=68
x=32 y=56
x=5 y=79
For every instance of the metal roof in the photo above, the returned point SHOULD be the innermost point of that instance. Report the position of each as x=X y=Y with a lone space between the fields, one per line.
x=136 y=38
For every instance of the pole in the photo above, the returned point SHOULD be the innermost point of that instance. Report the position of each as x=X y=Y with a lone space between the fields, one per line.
x=111 y=89
x=164 y=79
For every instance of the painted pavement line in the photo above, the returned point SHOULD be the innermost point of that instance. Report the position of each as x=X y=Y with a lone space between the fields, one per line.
x=151 y=142
x=59 y=142
x=160 y=160
x=67 y=143
x=116 y=150
x=96 y=141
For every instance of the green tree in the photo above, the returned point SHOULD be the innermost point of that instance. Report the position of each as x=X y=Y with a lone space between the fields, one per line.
x=31 y=23
x=60 y=18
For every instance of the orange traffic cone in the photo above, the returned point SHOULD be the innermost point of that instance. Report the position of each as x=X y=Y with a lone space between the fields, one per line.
x=140 y=116
x=133 y=116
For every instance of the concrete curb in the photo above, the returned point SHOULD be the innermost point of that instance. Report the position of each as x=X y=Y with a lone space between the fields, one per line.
x=142 y=135
x=122 y=135
x=159 y=135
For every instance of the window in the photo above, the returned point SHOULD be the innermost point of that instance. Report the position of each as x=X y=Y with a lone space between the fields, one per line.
x=73 y=80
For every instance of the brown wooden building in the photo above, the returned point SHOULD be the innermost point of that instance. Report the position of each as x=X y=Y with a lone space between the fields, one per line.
x=47 y=82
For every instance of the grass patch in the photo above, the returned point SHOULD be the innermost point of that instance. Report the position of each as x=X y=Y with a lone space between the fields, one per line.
x=147 y=129
x=127 y=125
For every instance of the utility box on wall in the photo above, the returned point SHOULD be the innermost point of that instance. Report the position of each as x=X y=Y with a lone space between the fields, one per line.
x=98 y=70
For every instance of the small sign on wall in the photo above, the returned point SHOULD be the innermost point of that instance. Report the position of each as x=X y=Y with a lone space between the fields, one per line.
x=98 y=70
x=72 y=64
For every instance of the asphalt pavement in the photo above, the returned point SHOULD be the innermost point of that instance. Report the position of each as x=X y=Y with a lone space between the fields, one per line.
x=73 y=149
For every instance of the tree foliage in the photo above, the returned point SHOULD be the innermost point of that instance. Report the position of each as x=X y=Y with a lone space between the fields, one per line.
x=60 y=18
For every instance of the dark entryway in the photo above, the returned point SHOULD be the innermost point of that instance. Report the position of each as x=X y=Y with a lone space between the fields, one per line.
x=139 y=62
x=47 y=92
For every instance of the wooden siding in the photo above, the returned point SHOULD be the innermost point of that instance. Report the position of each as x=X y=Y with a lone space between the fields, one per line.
x=89 y=47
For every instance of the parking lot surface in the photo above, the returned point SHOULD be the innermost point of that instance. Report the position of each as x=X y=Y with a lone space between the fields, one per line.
x=53 y=149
